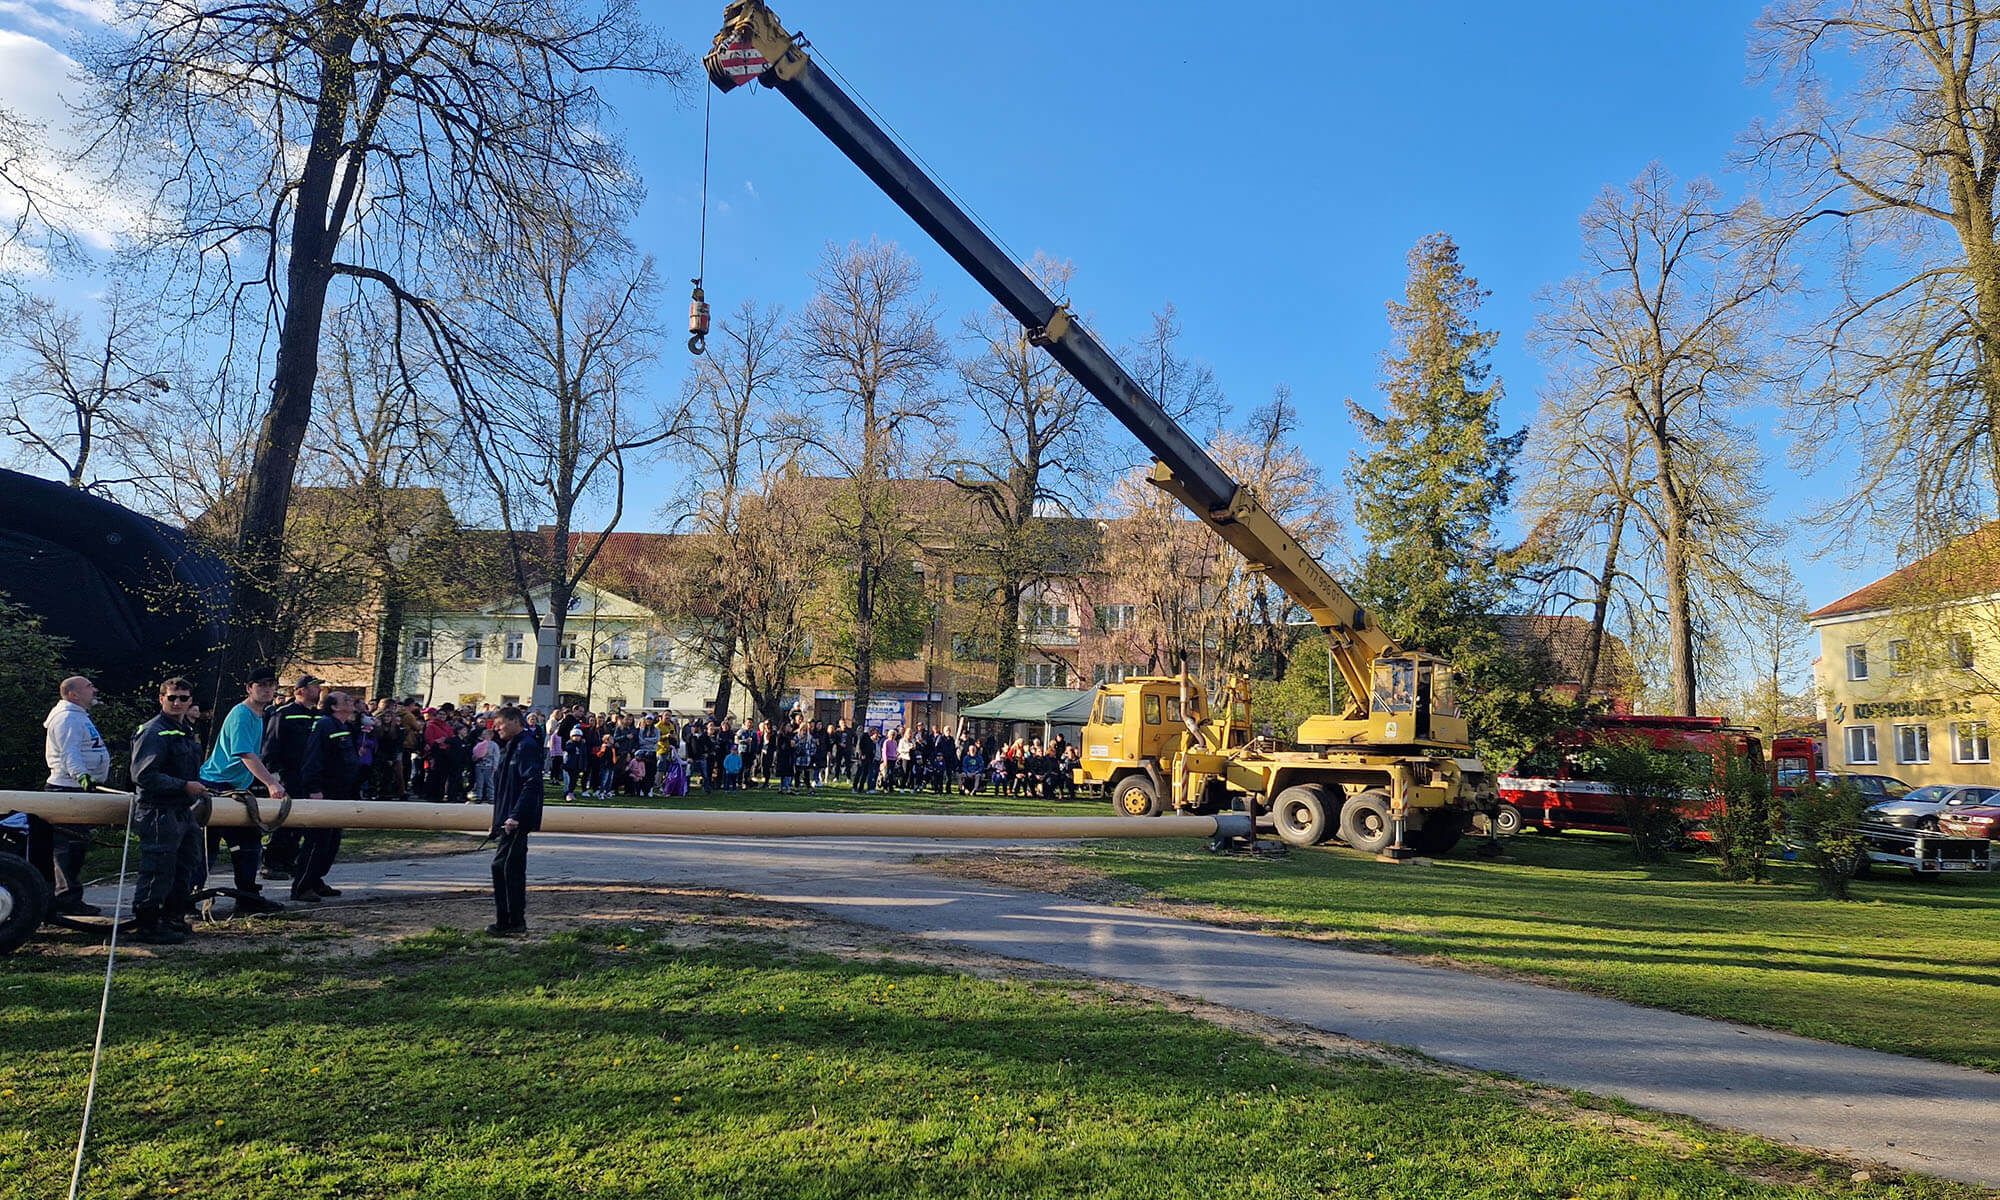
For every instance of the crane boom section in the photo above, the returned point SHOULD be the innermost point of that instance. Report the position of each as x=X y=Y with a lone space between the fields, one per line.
x=754 y=46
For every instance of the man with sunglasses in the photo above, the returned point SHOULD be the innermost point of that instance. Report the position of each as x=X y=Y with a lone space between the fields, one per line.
x=166 y=775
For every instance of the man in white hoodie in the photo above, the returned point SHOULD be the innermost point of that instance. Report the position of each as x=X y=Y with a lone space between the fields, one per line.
x=78 y=759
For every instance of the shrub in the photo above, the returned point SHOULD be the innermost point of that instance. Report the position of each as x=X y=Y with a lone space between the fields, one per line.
x=1740 y=819
x=1652 y=784
x=1820 y=822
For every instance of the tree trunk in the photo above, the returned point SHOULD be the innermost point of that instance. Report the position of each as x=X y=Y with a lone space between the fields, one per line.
x=1680 y=621
x=389 y=643
x=1593 y=652
x=267 y=495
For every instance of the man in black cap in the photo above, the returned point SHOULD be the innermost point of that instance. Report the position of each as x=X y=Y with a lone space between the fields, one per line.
x=286 y=731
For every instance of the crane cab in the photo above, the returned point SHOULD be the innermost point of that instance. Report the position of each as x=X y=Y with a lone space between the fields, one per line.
x=1413 y=699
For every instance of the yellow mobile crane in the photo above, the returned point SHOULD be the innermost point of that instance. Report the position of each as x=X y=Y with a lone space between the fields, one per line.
x=1392 y=772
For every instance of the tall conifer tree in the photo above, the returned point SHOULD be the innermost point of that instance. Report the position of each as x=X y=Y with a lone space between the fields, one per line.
x=1428 y=494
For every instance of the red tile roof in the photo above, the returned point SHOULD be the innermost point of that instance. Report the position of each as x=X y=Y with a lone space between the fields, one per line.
x=1969 y=566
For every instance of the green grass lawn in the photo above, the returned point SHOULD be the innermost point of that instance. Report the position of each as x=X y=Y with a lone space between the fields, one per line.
x=611 y=1062
x=1912 y=967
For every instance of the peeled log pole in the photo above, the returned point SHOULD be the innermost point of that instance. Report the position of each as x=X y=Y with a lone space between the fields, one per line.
x=108 y=808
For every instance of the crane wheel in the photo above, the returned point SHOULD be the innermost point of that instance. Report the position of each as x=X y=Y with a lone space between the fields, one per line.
x=24 y=900
x=1441 y=830
x=1135 y=796
x=1302 y=815
x=1364 y=822
x=1506 y=820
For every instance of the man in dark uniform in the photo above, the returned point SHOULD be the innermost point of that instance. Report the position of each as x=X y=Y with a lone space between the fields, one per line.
x=166 y=775
x=286 y=729
x=517 y=812
x=331 y=771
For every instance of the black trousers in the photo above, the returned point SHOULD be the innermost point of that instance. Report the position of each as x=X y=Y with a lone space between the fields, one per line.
x=510 y=879
x=67 y=846
x=170 y=858
x=317 y=850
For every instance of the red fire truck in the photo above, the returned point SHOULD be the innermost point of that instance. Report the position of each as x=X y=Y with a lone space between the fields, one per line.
x=1556 y=786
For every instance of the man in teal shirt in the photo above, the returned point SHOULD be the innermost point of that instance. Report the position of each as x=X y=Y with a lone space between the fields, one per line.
x=235 y=765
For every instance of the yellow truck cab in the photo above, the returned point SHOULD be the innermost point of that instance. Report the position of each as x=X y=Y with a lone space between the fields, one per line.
x=1139 y=727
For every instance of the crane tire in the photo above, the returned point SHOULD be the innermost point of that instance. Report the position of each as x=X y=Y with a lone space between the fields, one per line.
x=1302 y=815
x=1364 y=822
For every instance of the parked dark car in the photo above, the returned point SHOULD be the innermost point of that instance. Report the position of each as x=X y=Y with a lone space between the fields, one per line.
x=1923 y=808
x=1873 y=788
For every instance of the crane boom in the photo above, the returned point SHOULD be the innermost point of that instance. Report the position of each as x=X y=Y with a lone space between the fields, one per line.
x=753 y=46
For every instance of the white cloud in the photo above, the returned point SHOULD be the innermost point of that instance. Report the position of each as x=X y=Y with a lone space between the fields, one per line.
x=35 y=78
x=750 y=188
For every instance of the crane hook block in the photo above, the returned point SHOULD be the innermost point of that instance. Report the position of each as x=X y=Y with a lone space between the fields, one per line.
x=697 y=321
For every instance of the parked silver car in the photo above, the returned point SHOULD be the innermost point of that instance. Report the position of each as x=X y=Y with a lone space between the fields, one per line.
x=1920 y=809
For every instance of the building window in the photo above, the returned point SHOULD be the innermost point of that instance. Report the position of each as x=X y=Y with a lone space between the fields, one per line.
x=1113 y=617
x=569 y=647
x=1115 y=672
x=474 y=649
x=1968 y=742
x=1047 y=616
x=616 y=703
x=621 y=647
x=1857 y=665
x=420 y=647
x=336 y=643
x=1043 y=674
x=971 y=589
x=1958 y=648
x=506 y=701
x=1913 y=743
x=1861 y=745
x=517 y=645
x=1899 y=659
x=663 y=652
x=970 y=647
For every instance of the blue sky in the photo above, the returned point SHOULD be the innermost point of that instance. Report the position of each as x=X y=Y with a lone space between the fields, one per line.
x=1267 y=175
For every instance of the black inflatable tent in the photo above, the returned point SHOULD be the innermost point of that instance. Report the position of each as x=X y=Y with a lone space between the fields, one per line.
x=135 y=597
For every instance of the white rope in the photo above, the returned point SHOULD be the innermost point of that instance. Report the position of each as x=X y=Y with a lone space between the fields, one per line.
x=103 y=1006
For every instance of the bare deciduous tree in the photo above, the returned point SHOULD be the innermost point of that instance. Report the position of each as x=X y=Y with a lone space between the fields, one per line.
x=1034 y=449
x=561 y=336
x=1885 y=163
x=868 y=345
x=1660 y=348
x=74 y=392
x=741 y=580
x=296 y=144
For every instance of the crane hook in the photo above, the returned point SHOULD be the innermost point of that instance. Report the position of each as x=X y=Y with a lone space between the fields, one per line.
x=697 y=321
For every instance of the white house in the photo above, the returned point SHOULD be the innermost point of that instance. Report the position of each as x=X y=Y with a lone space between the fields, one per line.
x=616 y=654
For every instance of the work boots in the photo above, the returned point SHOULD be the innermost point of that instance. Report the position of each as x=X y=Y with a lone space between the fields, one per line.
x=152 y=930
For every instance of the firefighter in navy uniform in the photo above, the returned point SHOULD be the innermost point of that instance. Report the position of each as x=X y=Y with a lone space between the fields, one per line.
x=166 y=775
x=287 y=728
x=331 y=771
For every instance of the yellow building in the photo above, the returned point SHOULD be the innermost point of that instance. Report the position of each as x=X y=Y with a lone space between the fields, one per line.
x=615 y=654
x=1903 y=668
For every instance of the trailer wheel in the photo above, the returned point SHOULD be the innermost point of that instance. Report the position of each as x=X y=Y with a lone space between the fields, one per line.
x=24 y=901
x=1135 y=796
x=1506 y=821
x=1364 y=822
x=1300 y=815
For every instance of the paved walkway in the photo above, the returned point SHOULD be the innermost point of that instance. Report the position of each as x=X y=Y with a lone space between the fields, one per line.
x=1908 y=1113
